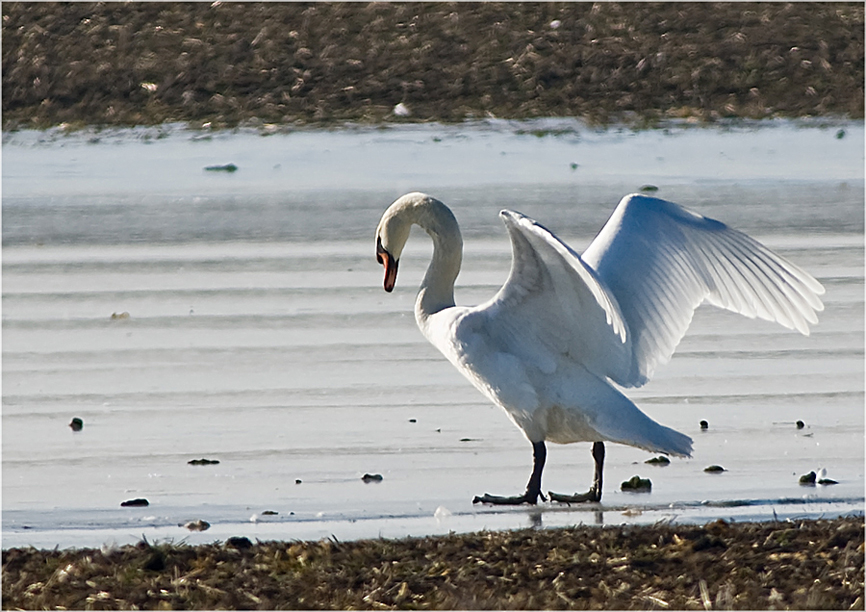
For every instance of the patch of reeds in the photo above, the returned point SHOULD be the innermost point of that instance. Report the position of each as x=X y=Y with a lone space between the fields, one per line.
x=797 y=565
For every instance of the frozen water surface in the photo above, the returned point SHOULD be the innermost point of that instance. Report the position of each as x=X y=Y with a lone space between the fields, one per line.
x=259 y=335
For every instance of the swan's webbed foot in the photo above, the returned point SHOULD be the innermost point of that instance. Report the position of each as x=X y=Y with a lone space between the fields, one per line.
x=527 y=498
x=533 y=487
x=594 y=493
x=578 y=498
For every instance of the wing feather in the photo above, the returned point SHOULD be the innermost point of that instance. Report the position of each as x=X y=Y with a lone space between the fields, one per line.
x=660 y=261
x=553 y=306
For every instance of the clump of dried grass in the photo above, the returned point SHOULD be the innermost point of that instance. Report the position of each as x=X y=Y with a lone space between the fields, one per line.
x=803 y=565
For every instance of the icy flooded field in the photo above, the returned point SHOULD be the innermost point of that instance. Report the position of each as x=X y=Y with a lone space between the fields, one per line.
x=250 y=328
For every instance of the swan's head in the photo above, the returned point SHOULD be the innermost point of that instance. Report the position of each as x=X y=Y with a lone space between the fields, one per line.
x=393 y=232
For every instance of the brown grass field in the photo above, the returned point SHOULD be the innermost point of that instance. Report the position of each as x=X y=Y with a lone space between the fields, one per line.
x=232 y=64
x=749 y=566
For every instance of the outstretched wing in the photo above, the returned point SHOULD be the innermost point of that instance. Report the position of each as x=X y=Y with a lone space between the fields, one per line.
x=661 y=261
x=553 y=308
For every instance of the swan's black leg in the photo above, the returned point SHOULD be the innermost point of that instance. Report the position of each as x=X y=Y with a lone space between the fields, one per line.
x=533 y=487
x=594 y=493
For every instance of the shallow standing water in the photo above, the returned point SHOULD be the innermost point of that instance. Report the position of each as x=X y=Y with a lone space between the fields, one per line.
x=259 y=335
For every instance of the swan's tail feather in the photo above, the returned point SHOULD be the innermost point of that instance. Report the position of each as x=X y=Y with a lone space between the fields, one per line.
x=617 y=419
x=666 y=440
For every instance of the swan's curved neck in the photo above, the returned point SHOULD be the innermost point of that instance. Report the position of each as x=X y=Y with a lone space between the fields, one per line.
x=437 y=288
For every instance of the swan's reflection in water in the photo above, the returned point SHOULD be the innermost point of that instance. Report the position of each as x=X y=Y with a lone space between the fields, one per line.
x=536 y=518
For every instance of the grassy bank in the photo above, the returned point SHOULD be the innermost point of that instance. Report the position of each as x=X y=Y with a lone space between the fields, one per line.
x=801 y=565
x=295 y=63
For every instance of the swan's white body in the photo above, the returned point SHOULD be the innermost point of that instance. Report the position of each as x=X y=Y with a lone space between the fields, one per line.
x=548 y=346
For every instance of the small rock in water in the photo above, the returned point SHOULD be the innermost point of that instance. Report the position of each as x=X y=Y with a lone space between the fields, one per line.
x=270 y=513
x=413 y=420
x=372 y=478
x=222 y=168
x=840 y=134
x=117 y=316
x=800 y=424
x=660 y=460
x=203 y=461
x=198 y=525
x=649 y=188
x=637 y=484
x=714 y=469
x=704 y=425
x=138 y=502
x=808 y=479
x=298 y=481
x=76 y=424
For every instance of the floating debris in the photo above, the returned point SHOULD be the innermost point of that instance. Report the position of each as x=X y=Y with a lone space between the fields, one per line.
x=198 y=525
x=413 y=420
x=138 y=502
x=203 y=461
x=76 y=424
x=372 y=478
x=840 y=134
x=637 y=484
x=573 y=166
x=800 y=424
x=298 y=481
x=270 y=513
x=222 y=168
x=470 y=439
x=119 y=316
x=660 y=460
x=704 y=426
x=714 y=469
x=812 y=479
x=649 y=188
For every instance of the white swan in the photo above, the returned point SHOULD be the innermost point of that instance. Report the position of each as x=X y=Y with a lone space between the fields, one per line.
x=548 y=345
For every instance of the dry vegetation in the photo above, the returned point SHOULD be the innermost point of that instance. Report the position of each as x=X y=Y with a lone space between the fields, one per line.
x=295 y=63
x=805 y=565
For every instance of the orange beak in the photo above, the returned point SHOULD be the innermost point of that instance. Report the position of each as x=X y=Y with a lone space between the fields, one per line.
x=385 y=258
